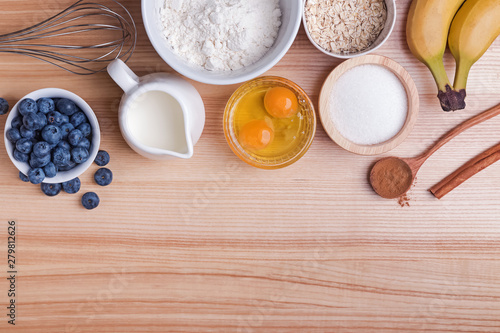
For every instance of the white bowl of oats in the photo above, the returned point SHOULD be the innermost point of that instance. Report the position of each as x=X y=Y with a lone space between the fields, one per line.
x=348 y=28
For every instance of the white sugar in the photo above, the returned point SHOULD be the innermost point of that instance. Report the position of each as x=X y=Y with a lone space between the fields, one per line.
x=368 y=105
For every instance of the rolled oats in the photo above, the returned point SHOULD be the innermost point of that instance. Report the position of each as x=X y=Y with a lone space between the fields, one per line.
x=345 y=26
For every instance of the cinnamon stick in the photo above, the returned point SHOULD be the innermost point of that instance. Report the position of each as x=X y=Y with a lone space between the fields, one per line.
x=466 y=171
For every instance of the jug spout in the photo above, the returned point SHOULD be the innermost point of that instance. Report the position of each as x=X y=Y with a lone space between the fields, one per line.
x=185 y=151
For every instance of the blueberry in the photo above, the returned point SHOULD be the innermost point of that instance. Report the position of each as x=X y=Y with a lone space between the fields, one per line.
x=74 y=137
x=45 y=105
x=90 y=200
x=65 y=119
x=36 y=176
x=18 y=156
x=24 y=145
x=84 y=143
x=61 y=157
x=13 y=135
x=42 y=120
x=27 y=105
x=39 y=162
x=41 y=148
x=31 y=121
x=55 y=118
x=52 y=134
x=79 y=155
x=66 y=106
x=103 y=177
x=50 y=170
x=64 y=144
x=4 y=106
x=85 y=128
x=78 y=118
x=17 y=122
x=102 y=158
x=72 y=186
x=68 y=166
x=51 y=190
x=66 y=128
x=26 y=133
x=23 y=177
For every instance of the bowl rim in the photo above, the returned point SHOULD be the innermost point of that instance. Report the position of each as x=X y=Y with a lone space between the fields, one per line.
x=247 y=76
x=227 y=113
x=62 y=176
x=354 y=55
x=411 y=93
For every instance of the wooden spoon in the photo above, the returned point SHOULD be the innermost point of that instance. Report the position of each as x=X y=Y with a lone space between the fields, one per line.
x=391 y=177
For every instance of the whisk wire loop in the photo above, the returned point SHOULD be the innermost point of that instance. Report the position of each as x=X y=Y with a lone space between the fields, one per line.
x=83 y=20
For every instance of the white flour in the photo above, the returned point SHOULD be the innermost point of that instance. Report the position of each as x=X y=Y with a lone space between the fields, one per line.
x=220 y=35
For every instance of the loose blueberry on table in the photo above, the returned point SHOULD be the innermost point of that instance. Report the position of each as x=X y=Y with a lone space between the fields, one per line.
x=103 y=177
x=72 y=186
x=90 y=200
x=102 y=158
x=51 y=190
x=4 y=106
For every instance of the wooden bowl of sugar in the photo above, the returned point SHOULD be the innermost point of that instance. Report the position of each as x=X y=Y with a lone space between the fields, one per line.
x=368 y=105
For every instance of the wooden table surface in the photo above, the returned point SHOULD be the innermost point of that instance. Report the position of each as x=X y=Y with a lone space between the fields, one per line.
x=211 y=244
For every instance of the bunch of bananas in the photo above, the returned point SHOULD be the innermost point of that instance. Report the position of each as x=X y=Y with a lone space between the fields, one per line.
x=469 y=27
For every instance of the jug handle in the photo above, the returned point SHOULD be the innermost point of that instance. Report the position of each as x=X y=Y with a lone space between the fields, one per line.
x=123 y=75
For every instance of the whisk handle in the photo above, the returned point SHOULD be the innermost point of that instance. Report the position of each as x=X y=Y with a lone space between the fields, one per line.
x=123 y=75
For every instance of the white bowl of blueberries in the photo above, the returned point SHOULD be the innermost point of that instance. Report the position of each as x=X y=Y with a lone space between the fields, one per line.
x=52 y=136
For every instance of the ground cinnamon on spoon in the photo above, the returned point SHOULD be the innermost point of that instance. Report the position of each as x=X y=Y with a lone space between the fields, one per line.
x=391 y=178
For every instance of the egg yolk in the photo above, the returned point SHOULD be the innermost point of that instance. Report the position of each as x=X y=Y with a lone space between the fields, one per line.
x=256 y=134
x=281 y=102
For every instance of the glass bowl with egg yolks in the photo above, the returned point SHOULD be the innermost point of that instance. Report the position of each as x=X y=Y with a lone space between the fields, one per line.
x=269 y=122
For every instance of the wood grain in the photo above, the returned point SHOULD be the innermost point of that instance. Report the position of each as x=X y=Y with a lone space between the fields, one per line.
x=213 y=245
x=325 y=105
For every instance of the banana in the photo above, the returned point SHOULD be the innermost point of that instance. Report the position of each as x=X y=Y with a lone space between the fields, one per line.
x=427 y=33
x=473 y=30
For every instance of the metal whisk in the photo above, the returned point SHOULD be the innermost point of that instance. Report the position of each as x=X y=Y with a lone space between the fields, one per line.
x=104 y=34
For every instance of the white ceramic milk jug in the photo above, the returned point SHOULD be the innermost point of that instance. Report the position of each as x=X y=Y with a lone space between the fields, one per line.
x=161 y=115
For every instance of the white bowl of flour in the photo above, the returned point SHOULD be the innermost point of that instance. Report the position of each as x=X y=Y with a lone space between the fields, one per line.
x=222 y=41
